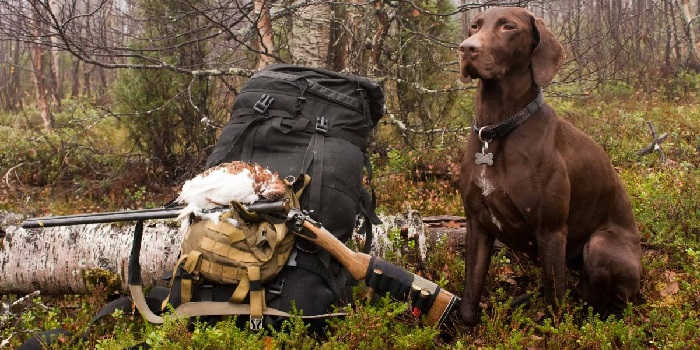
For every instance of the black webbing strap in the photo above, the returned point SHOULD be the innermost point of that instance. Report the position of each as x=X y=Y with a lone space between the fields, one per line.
x=314 y=88
x=134 y=278
x=134 y=263
x=369 y=209
x=249 y=120
x=272 y=112
x=317 y=175
x=314 y=154
x=246 y=149
x=369 y=234
x=248 y=144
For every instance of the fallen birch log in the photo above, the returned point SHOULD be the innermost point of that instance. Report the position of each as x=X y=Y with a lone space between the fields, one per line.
x=71 y=259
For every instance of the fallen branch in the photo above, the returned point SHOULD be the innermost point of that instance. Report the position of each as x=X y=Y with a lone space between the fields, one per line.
x=7 y=175
x=402 y=126
x=10 y=311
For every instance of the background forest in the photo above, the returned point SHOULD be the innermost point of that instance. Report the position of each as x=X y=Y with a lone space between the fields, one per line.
x=111 y=104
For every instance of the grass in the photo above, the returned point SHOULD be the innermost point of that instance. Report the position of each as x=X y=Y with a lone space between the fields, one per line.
x=664 y=199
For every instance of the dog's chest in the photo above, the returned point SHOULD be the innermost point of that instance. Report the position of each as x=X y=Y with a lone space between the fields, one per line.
x=490 y=201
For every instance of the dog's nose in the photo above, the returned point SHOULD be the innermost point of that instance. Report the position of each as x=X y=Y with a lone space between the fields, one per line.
x=470 y=46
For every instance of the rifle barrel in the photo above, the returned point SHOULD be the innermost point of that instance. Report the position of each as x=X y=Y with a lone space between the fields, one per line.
x=100 y=218
x=139 y=215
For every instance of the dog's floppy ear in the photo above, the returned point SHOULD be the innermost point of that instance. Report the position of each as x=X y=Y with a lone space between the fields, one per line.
x=547 y=56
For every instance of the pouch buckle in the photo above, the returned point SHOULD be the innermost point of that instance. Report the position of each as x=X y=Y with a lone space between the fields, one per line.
x=256 y=323
x=322 y=124
x=276 y=290
x=263 y=103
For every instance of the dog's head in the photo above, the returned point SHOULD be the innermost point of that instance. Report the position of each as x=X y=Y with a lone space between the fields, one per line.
x=509 y=39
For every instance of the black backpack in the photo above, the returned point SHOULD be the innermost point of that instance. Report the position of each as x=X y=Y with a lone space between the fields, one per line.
x=294 y=120
x=297 y=120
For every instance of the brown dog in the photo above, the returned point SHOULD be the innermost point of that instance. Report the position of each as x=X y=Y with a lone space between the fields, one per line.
x=534 y=181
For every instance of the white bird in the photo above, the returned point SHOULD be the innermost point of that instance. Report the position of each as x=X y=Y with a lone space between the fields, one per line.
x=228 y=182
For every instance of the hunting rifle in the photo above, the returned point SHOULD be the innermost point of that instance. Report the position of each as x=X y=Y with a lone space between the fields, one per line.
x=425 y=297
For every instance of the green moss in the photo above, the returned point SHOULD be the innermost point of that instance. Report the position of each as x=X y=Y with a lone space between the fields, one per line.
x=100 y=278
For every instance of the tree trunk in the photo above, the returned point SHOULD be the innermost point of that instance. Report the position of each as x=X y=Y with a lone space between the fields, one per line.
x=676 y=41
x=55 y=63
x=75 y=91
x=67 y=259
x=667 y=47
x=311 y=36
x=265 y=43
x=693 y=61
x=465 y=20
x=102 y=97
x=87 y=90
x=40 y=87
x=383 y=24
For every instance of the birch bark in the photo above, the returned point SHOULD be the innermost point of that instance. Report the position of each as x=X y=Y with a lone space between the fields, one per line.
x=61 y=260
x=687 y=19
x=311 y=35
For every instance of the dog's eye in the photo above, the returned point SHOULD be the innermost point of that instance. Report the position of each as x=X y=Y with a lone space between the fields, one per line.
x=475 y=27
x=508 y=26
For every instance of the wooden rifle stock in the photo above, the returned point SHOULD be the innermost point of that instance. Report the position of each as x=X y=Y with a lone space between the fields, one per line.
x=358 y=265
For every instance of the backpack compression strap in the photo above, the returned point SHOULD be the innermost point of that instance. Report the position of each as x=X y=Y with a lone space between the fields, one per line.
x=315 y=88
x=202 y=308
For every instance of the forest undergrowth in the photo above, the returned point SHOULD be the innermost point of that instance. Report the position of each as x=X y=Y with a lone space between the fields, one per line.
x=62 y=173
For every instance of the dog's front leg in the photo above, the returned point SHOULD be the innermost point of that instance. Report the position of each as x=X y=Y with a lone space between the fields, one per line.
x=551 y=246
x=477 y=257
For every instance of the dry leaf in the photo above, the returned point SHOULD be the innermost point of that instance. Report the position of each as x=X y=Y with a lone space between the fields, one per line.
x=672 y=286
x=670 y=276
x=671 y=289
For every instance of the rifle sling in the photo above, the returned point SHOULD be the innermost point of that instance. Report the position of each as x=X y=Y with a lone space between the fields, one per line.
x=210 y=308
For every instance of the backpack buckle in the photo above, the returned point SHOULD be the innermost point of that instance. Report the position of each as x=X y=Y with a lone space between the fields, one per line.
x=322 y=125
x=276 y=290
x=263 y=103
x=256 y=323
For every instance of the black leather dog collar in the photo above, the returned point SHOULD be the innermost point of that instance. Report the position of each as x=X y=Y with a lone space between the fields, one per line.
x=494 y=131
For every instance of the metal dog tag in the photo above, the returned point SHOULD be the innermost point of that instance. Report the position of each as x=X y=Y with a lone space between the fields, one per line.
x=483 y=157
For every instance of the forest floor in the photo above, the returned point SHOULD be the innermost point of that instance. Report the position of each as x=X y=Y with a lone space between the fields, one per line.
x=664 y=198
